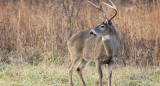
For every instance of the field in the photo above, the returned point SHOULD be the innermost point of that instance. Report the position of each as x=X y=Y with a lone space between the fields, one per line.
x=55 y=74
x=33 y=36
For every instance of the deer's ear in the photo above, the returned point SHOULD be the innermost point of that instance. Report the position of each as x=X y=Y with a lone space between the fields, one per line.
x=98 y=21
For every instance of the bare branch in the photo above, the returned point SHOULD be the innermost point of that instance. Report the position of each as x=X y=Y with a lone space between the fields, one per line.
x=68 y=8
x=64 y=7
x=73 y=6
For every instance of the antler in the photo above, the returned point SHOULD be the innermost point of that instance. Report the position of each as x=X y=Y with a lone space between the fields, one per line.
x=113 y=7
x=101 y=8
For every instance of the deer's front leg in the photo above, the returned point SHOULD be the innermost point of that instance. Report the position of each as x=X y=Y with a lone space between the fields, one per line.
x=99 y=64
x=110 y=67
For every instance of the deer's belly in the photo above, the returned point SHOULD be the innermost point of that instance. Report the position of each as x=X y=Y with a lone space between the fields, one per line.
x=95 y=56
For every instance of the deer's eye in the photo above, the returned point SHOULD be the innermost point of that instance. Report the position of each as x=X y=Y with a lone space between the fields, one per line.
x=102 y=28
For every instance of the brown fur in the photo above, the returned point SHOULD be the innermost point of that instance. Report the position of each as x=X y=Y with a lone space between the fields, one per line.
x=103 y=48
x=92 y=47
x=86 y=47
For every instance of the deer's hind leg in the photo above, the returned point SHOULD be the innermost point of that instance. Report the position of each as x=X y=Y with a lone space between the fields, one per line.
x=75 y=61
x=80 y=68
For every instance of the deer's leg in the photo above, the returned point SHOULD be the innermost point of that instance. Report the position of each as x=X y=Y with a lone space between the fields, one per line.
x=110 y=67
x=99 y=68
x=80 y=68
x=73 y=64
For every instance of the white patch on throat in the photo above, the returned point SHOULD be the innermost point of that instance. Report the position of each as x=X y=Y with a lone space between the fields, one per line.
x=107 y=37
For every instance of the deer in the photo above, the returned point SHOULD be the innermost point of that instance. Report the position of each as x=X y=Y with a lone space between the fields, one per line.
x=100 y=45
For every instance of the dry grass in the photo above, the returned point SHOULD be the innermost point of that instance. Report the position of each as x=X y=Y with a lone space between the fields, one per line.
x=55 y=74
x=27 y=26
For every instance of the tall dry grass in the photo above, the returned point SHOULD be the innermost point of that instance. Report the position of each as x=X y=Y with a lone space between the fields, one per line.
x=28 y=26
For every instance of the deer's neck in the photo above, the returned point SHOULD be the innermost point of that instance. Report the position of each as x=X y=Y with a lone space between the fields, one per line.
x=107 y=44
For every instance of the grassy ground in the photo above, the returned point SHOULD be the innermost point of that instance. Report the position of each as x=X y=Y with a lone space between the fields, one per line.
x=52 y=74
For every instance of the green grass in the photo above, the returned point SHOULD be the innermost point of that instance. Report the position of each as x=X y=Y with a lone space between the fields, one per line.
x=51 y=74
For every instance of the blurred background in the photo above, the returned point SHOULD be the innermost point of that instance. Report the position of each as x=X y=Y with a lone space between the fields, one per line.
x=36 y=30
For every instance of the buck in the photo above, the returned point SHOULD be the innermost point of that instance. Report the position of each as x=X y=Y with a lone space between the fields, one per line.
x=100 y=45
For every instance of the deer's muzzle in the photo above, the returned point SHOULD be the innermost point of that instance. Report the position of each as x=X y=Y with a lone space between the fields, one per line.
x=92 y=33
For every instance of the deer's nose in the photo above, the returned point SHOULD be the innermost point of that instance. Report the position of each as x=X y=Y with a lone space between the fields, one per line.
x=92 y=33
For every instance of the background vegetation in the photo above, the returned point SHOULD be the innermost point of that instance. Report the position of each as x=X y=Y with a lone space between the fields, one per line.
x=31 y=27
x=34 y=33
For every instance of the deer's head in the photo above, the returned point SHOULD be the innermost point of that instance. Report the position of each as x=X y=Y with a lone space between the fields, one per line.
x=106 y=25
